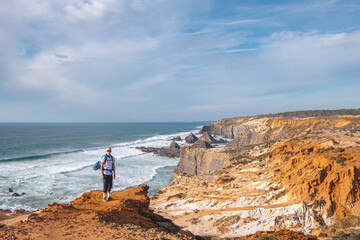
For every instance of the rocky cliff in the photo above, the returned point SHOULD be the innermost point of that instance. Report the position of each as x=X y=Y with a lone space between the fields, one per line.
x=199 y=161
x=127 y=216
x=255 y=130
x=297 y=174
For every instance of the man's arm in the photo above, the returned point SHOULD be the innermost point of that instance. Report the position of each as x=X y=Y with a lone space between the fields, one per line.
x=113 y=168
x=102 y=169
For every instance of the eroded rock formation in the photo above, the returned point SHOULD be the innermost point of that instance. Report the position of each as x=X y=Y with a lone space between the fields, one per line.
x=198 y=161
x=255 y=130
x=298 y=174
x=172 y=152
x=191 y=138
x=201 y=144
x=88 y=217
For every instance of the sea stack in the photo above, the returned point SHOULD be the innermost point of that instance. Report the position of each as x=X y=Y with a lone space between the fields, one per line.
x=173 y=144
x=207 y=138
x=201 y=144
x=191 y=138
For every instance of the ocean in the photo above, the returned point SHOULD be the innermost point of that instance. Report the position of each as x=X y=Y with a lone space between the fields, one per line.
x=52 y=162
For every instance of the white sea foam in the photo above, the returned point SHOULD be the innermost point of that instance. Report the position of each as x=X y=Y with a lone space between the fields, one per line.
x=63 y=177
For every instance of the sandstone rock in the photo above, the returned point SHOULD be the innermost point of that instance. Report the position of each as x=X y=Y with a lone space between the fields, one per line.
x=191 y=138
x=197 y=161
x=177 y=138
x=278 y=235
x=127 y=216
x=173 y=144
x=170 y=152
x=276 y=185
x=257 y=130
x=207 y=138
x=204 y=129
x=201 y=144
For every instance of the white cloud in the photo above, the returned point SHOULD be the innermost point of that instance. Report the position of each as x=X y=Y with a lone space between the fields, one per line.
x=61 y=69
x=92 y=9
x=174 y=54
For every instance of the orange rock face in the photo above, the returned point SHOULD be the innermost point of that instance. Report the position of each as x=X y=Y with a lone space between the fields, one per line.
x=305 y=177
x=125 y=217
x=327 y=177
x=255 y=130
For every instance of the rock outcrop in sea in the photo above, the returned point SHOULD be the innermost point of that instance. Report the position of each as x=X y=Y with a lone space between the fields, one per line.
x=210 y=139
x=201 y=144
x=177 y=138
x=172 y=152
x=301 y=174
x=191 y=138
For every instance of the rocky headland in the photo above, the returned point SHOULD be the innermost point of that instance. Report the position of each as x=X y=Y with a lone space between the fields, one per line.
x=284 y=176
x=297 y=173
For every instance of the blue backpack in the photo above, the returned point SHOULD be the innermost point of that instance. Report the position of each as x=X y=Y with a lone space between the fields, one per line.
x=97 y=165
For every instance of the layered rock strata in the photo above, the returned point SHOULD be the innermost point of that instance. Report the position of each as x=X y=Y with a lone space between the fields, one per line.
x=200 y=161
x=308 y=182
x=255 y=130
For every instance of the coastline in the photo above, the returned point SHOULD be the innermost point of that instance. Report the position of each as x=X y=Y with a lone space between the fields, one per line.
x=54 y=171
x=298 y=174
x=291 y=186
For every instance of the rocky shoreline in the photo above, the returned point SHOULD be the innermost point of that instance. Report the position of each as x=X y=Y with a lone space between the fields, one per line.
x=279 y=178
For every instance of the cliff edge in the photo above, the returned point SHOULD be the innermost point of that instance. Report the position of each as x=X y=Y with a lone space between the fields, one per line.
x=301 y=175
x=127 y=216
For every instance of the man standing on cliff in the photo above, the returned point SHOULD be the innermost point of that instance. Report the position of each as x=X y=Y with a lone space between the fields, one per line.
x=107 y=168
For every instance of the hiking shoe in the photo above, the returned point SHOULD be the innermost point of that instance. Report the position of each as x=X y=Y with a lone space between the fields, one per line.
x=110 y=198
x=104 y=199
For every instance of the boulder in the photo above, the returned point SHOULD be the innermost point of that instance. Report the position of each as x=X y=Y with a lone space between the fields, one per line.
x=207 y=138
x=191 y=138
x=222 y=141
x=177 y=138
x=204 y=129
x=201 y=144
x=174 y=145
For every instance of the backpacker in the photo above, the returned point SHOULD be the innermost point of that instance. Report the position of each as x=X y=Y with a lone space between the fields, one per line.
x=97 y=165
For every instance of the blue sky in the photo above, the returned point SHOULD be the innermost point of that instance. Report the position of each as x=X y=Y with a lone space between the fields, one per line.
x=178 y=60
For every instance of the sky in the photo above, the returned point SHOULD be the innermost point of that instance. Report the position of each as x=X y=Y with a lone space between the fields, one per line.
x=175 y=60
